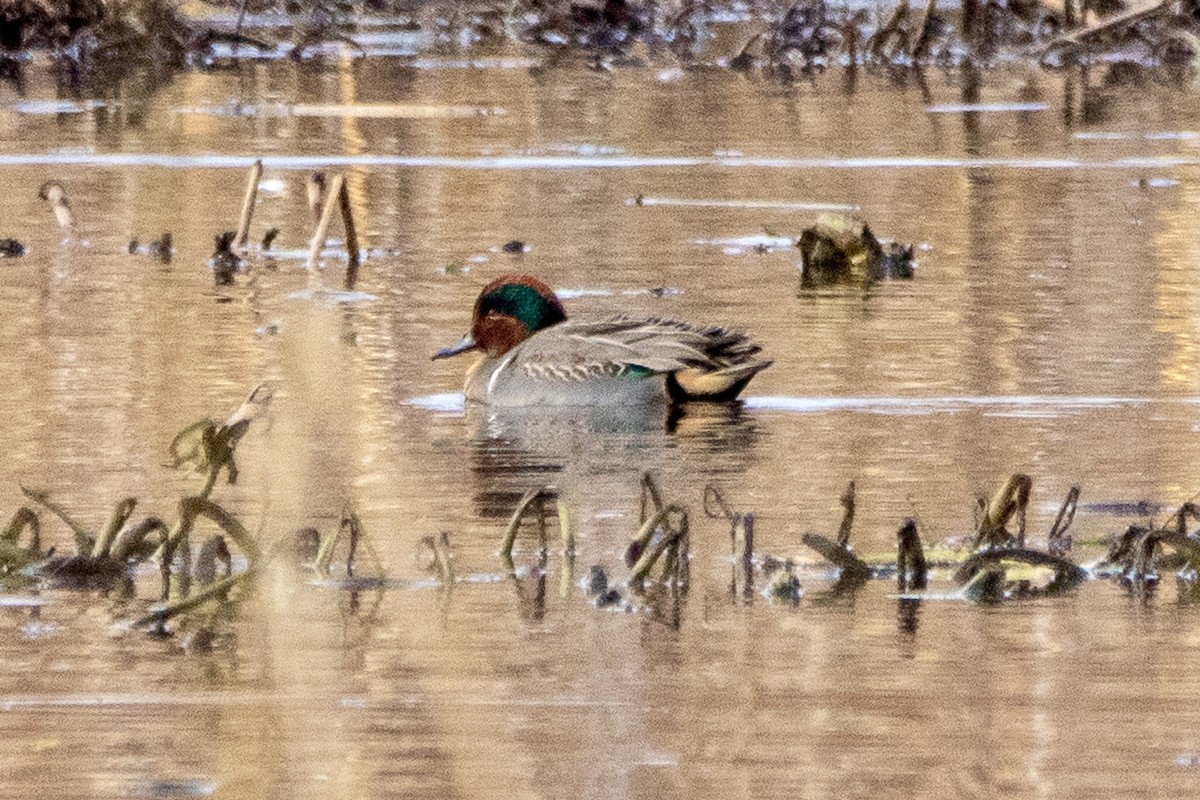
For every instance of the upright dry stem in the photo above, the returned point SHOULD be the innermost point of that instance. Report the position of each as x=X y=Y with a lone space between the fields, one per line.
x=252 y=181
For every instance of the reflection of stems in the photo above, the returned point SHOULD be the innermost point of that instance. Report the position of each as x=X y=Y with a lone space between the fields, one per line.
x=441 y=552
x=514 y=523
x=214 y=591
x=565 y=530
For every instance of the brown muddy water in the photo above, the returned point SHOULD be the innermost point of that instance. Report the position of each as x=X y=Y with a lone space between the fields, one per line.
x=1052 y=328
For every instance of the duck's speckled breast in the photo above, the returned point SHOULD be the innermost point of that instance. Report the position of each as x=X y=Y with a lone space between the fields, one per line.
x=505 y=382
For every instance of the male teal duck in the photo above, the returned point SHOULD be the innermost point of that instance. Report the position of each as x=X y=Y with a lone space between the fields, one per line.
x=534 y=355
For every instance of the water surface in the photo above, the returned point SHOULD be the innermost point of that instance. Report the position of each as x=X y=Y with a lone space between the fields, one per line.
x=1051 y=329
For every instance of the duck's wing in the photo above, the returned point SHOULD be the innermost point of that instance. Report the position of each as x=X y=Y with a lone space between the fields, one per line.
x=624 y=346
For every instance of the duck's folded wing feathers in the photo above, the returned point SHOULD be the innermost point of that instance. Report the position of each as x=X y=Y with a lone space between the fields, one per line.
x=617 y=346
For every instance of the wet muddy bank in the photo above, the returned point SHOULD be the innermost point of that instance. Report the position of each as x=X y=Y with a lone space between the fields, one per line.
x=779 y=40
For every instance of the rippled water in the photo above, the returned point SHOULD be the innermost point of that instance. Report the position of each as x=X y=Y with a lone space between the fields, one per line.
x=1052 y=329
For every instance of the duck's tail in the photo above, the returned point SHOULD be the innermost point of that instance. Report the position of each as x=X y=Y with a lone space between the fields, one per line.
x=717 y=385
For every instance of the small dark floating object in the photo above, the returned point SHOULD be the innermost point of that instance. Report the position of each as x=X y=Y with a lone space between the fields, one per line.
x=842 y=249
x=598 y=589
x=516 y=246
x=159 y=249
x=269 y=239
x=784 y=587
x=224 y=262
x=305 y=545
x=11 y=248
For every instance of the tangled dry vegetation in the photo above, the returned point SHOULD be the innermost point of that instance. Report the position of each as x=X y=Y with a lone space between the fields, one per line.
x=780 y=38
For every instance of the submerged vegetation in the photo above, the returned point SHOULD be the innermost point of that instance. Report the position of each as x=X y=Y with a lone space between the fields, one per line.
x=203 y=587
x=780 y=39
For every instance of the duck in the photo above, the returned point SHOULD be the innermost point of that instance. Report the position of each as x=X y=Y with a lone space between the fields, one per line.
x=531 y=354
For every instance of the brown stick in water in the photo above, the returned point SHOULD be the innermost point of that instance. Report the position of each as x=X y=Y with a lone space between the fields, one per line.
x=243 y=231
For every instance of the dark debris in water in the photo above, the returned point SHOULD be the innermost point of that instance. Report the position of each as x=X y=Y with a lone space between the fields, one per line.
x=842 y=249
x=225 y=263
x=160 y=249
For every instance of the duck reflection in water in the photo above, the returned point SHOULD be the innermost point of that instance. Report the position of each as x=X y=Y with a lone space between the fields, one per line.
x=595 y=455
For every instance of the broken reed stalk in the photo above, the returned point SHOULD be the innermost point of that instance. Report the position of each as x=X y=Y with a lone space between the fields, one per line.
x=649 y=492
x=252 y=181
x=743 y=541
x=322 y=232
x=1057 y=542
x=190 y=509
x=314 y=191
x=339 y=193
x=324 y=557
x=83 y=537
x=847 y=501
x=920 y=47
x=24 y=518
x=343 y=197
x=1012 y=499
x=912 y=572
x=672 y=535
x=1067 y=573
x=116 y=522
x=214 y=551
x=514 y=523
x=53 y=193
x=839 y=555
x=132 y=538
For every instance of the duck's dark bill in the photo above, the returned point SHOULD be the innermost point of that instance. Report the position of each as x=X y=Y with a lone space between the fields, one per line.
x=461 y=346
